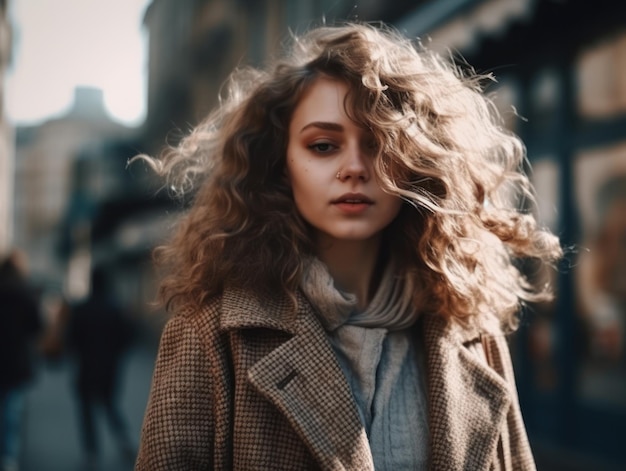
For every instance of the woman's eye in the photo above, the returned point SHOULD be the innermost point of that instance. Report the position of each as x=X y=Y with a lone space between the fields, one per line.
x=322 y=147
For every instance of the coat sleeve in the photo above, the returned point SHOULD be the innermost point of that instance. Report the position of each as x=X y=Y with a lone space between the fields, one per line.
x=178 y=429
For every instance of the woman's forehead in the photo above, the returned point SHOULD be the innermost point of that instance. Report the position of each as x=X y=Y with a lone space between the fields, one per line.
x=330 y=96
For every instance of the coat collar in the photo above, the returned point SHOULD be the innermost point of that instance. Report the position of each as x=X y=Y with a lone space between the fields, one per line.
x=468 y=400
x=244 y=309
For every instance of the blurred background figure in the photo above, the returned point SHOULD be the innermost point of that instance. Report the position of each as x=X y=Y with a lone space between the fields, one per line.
x=55 y=312
x=99 y=333
x=20 y=325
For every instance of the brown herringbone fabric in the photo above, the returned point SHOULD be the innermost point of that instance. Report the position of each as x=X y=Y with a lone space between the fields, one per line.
x=246 y=384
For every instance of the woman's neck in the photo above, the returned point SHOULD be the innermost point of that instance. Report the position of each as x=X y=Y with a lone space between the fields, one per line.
x=352 y=264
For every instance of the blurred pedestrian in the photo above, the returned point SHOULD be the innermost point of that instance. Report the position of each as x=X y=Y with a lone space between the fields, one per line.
x=343 y=283
x=20 y=324
x=99 y=334
x=56 y=315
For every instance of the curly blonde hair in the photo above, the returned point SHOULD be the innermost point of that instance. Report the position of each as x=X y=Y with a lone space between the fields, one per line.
x=441 y=147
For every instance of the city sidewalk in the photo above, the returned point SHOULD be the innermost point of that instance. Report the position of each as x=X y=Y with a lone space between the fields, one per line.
x=51 y=435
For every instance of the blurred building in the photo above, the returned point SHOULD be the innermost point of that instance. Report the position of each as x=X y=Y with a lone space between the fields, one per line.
x=6 y=137
x=45 y=157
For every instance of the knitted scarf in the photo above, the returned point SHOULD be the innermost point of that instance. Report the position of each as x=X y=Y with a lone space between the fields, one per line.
x=391 y=307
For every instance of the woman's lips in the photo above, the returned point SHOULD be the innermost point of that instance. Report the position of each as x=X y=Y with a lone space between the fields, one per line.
x=352 y=208
x=352 y=203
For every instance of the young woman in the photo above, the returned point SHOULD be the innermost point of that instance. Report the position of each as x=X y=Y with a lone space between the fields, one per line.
x=344 y=280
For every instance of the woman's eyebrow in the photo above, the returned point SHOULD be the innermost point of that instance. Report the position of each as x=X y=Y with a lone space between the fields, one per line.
x=327 y=126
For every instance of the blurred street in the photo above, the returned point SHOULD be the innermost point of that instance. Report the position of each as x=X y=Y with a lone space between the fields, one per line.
x=51 y=436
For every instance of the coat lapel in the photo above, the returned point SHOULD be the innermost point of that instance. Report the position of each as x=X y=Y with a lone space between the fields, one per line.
x=303 y=380
x=468 y=400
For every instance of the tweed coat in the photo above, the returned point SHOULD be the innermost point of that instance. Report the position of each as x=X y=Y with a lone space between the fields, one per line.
x=247 y=383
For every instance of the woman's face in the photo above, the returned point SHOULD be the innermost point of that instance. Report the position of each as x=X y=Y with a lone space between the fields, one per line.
x=330 y=166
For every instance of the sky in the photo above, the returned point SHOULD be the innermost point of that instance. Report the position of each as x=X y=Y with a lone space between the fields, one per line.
x=61 y=44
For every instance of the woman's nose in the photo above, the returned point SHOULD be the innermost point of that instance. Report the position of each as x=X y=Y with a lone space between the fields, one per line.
x=355 y=163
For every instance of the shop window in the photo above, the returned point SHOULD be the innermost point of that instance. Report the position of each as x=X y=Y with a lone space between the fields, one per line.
x=601 y=75
x=600 y=274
